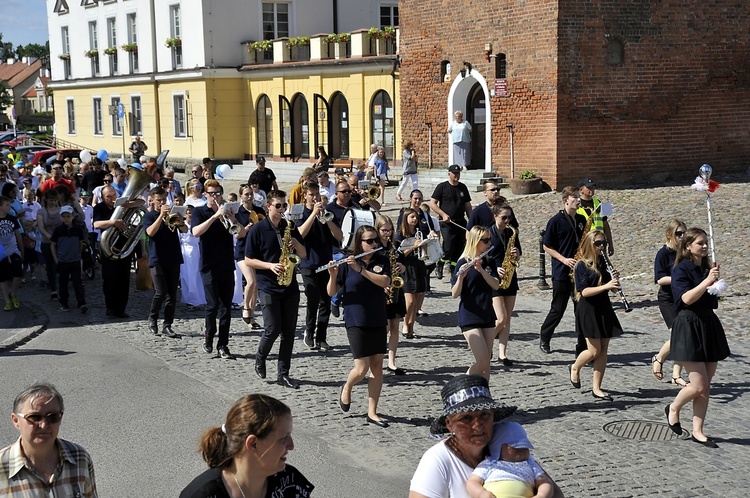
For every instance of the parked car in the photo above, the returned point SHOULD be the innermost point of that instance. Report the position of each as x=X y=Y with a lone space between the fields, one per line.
x=42 y=156
x=7 y=137
x=28 y=151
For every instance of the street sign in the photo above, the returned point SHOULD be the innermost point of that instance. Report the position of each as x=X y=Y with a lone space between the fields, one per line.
x=120 y=110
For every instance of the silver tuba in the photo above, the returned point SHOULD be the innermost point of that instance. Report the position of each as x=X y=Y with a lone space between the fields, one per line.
x=114 y=243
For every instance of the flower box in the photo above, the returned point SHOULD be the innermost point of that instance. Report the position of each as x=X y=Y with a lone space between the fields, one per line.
x=173 y=42
x=130 y=47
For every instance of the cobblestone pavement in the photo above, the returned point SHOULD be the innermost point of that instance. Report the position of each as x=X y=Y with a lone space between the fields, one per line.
x=566 y=425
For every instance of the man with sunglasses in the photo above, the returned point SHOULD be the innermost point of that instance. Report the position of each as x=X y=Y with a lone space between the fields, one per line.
x=39 y=463
x=57 y=180
x=589 y=206
x=482 y=214
x=451 y=201
x=279 y=304
x=561 y=239
x=217 y=266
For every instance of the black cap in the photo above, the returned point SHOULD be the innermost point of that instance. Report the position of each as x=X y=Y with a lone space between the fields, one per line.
x=260 y=159
x=586 y=182
x=454 y=168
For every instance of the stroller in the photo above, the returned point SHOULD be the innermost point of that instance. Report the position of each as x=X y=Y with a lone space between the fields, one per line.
x=88 y=260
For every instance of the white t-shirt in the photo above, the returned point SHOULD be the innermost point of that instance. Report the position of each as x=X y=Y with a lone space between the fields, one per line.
x=441 y=474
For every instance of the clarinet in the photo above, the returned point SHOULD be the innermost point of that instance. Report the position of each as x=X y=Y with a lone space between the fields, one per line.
x=611 y=271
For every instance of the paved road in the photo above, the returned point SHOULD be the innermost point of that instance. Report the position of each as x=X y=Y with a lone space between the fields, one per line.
x=566 y=425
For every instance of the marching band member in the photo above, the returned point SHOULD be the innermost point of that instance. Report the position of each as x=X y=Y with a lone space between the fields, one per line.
x=396 y=309
x=359 y=197
x=320 y=238
x=363 y=281
x=595 y=317
x=217 y=266
x=588 y=205
x=415 y=270
x=279 y=303
x=247 y=216
x=297 y=193
x=473 y=281
x=451 y=201
x=504 y=300
x=482 y=214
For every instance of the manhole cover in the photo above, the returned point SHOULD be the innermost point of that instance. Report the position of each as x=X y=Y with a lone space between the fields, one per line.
x=642 y=430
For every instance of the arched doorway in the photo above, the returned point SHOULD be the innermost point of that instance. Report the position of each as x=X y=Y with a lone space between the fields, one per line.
x=264 y=125
x=470 y=95
x=476 y=114
x=339 y=126
x=381 y=114
x=300 y=127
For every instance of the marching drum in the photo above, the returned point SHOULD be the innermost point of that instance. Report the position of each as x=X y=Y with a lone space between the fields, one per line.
x=430 y=252
x=353 y=219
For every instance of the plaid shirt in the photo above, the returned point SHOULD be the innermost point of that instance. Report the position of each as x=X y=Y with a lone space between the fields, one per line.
x=74 y=476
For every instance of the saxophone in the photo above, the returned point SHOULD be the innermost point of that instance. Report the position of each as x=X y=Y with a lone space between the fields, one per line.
x=288 y=259
x=509 y=262
x=396 y=282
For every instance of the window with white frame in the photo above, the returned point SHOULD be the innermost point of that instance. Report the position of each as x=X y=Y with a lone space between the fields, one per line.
x=93 y=36
x=175 y=31
x=112 y=43
x=132 y=40
x=98 y=124
x=66 y=51
x=275 y=20
x=116 y=121
x=136 y=116
x=388 y=15
x=180 y=115
x=70 y=106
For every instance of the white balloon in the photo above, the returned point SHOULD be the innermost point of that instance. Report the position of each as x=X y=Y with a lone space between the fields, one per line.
x=222 y=171
x=122 y=162
x=85 y=156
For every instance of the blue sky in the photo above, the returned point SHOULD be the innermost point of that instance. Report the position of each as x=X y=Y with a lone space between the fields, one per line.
x=24 y=22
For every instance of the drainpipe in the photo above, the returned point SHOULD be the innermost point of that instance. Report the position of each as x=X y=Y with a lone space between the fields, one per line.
x=335 y=16
x=512 y=160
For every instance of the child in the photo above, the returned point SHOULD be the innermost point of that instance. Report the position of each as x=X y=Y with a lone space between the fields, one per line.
x=509 y=471
x=88 y=213
x=11 y=266
x=231 y=197
x=29 y=237
x=67 y=243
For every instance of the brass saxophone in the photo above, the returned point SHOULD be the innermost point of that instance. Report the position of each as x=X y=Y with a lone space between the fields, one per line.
x=396 y=282
x=288 y=260
x=509 y=262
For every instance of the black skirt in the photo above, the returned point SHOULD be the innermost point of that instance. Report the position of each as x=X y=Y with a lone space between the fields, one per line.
x=697 y=335
x=397 y=309
x=596 y=319
x=666 y=307
x=512 y=289
x=415 y=276
x=367 y=341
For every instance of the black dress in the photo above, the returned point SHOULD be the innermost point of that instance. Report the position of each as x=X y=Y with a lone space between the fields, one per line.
x=663 y=264
x=415 y=277
x=697 y=333
x=397 y=307
x=595 y=317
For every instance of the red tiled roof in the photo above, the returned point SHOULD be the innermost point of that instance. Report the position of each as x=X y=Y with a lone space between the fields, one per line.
x=18 y=72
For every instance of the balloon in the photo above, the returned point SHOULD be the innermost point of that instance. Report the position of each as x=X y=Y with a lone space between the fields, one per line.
x=122 y=162
x=85 y=156
x=137 y=166
x=103 y=155
x=222 y=171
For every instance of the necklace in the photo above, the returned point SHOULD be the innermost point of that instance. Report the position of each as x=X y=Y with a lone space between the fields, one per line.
x=238 y=485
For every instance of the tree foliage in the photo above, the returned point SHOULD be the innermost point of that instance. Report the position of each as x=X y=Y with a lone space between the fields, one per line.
x=6 y=97
x=33 y=50
x=6 y=49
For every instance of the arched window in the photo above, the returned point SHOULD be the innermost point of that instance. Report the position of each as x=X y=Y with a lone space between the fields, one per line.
x=382 y=122
x=264 y=125
x=300 y=127
x=340 y=126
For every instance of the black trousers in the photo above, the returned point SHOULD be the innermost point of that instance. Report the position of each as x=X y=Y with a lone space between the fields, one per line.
x=562 y=291
x=219 y=288
x=318 y=303
x=454 y=241
x=71 y=272
x=279 y=319
x=116 y=283
x=165 y=278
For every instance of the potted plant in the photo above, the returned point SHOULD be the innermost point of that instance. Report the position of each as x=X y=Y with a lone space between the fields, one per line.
x=130 y=47
x=296 y=50
x=91 y=53
x=64 y=57
x=110 y=51
x=342 y=39
x=526 y=183
x=173 y=42
x=374 y=33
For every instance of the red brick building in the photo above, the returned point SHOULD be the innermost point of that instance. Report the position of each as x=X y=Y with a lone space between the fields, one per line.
x=612 y=89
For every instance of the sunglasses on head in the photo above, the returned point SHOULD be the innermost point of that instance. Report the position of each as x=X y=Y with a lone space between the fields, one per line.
x=679 y=233
x=485 y=240
x=280 y=205
x=599 y=243
x=370 y=241
x=36 y=418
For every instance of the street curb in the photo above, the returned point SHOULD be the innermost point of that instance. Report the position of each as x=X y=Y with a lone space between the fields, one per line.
x=25 y=334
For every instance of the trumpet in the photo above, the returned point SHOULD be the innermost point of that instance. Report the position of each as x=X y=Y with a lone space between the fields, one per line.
x=174 y=221
x=469 y=265
x=611 y=271
x=342 y=261
x=325 y=216
x=231 y=225
x=373 y=193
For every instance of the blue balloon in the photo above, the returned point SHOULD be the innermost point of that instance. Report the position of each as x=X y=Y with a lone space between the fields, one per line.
x=102 y=155
x=137 y=166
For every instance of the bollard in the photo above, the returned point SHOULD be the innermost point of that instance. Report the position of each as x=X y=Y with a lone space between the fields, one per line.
x=542 y=284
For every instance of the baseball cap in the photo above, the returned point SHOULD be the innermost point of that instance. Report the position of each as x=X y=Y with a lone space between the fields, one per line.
x=454 y=168
x=66 y=209
x=86 y=194
x=586 y=182
x=260 y=159
x=143 y=159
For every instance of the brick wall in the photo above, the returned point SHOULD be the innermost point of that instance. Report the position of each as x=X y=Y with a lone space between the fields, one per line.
x=681 y=96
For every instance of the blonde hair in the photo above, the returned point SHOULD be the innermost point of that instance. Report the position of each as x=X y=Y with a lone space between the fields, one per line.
x=472 y=242
x=672 y=227
x=589 y=257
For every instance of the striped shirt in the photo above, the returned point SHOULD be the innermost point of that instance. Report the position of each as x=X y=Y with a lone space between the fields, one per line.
x=73 y=477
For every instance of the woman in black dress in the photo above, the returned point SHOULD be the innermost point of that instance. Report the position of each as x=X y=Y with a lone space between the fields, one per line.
x=363 y=282
x=663 y=264
x=698 y=339
x=247 y=215
x=416 y=272
x=504 y=300
x=595 y=317
x=396 y=309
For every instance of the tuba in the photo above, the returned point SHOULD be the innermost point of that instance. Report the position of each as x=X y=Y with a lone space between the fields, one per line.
x=119 y=245
x=509 y=262
x=288 y=259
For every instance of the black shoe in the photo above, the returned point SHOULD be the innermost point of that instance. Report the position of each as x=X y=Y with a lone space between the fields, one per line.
x=708 y=443
x=309 y=341
x=287 y=381
x=507 y=362
x=122 y=314
x=577 y=385
x=335 y=311
x=606 y=397
x=260 y=368
x=439 y=270
x=64 y=307
x=224 y=353
x=676 y=428
x=396 y=371
x=84 y=308
x=379 y=423
x=208 y=344
x=344 y=406
x=167 y=331
x=153 y=328
x=323 y=347
x=544 y=346
x=254 y=325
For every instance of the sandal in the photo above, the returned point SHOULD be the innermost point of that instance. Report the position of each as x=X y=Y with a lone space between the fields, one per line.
x=679 y=381
x=657 y=373
x=246 y=319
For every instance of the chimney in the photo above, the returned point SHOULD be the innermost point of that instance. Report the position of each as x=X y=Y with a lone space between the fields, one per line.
x=11 y=61
x=25 y=60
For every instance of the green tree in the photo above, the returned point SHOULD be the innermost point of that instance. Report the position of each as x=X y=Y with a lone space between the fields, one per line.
x=6 y=49
x=6 y=98
x=33 y=50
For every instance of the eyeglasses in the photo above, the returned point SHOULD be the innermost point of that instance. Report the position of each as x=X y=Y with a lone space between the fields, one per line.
x=36 y=418
x=56 y=167
x=599 y=243
x=280 y=205
x=485 y=240
x=679 y=233
x=386 y=230
x=370 y=241
x=345 y=192
x=107 y=181
x=196 y=171
x=492 y=189
x=214 y=193
x=504 y=218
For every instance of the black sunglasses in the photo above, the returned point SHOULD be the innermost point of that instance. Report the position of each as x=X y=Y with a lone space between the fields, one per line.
x=370 y=241
x=486 y=240
x=599 y=243
x=492 y=189
x=280 y=205
x=343 y=191
x=679 y=233
x=214 y=193
x=505 y=218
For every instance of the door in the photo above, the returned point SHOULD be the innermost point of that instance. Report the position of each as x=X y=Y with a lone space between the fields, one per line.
x=300 y=127
x=477 y=117
x=322 y=111
x=286 y=126
x=339 y=127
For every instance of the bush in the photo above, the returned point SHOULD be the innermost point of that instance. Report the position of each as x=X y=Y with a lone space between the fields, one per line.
x=527 y=175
